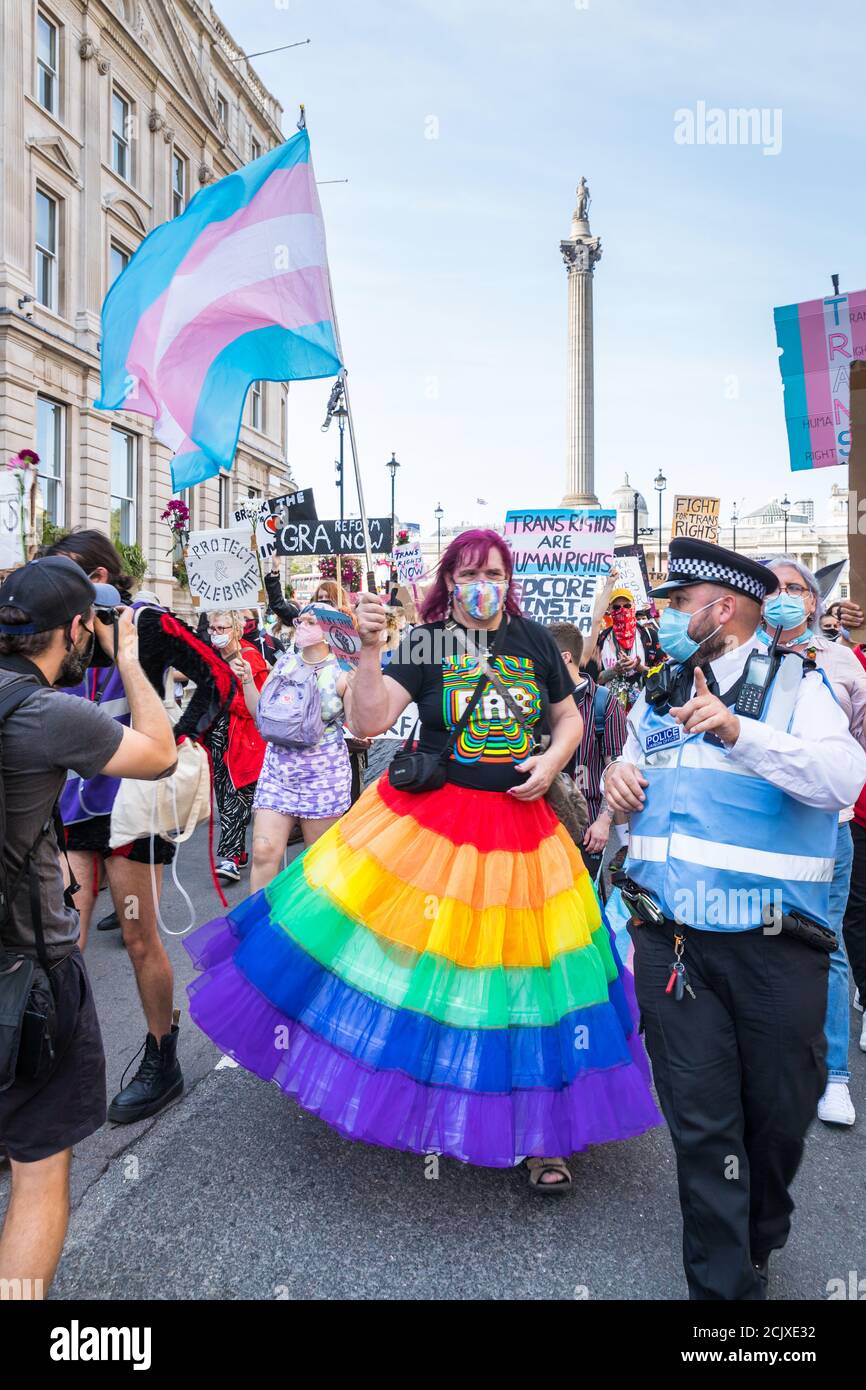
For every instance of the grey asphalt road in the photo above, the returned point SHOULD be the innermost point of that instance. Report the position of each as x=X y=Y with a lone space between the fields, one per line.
x=236 y=1193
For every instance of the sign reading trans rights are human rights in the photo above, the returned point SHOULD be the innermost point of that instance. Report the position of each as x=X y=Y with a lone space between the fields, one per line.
x=561 y=557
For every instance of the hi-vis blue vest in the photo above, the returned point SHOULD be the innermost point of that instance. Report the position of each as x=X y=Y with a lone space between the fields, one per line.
x=718 y=847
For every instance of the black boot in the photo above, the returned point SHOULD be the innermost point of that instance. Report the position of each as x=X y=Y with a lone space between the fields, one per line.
x=158 y=1081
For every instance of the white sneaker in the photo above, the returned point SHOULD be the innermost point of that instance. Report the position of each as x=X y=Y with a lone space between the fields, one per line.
x=835 y=1106
x=863 y=1036
x=857 y=1004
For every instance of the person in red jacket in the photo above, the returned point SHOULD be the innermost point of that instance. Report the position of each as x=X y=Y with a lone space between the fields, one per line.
x=236 y=748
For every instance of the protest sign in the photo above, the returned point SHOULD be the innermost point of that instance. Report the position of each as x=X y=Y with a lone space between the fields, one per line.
x=333 y=537
x=818 y=340
x=222 y=569
x=560 y=559
x=13 y=519
x=341 y=634
x=405 y=722
x=267 y=517
x=857 y=491
x=632 y=572
x=696 y=518
x=409 y=562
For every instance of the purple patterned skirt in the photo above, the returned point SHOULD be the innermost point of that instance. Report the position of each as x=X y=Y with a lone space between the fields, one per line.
x=310 y=783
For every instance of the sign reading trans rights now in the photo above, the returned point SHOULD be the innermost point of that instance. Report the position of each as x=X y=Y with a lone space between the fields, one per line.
x=561 y=557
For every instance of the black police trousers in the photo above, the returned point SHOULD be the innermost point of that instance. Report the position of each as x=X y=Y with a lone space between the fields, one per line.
x=739 y=1071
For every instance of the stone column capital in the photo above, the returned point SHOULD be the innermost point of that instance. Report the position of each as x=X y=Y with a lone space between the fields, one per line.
x=581 y=254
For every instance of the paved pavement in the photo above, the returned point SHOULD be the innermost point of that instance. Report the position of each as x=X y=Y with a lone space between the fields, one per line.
x=236 y=1193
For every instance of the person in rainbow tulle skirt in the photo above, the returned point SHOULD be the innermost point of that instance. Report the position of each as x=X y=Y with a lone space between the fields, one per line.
x=434 y=974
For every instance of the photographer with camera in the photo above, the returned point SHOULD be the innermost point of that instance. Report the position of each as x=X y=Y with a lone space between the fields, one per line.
x=52 y=1067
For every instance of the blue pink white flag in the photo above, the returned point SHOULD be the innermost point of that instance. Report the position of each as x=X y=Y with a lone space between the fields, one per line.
x=818 y=340
x=234 y=290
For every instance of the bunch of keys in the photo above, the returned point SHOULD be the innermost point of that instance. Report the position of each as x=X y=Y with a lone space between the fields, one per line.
x=679 y=980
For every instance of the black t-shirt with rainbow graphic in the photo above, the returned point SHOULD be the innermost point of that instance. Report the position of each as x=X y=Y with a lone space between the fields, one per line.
x=433 y=667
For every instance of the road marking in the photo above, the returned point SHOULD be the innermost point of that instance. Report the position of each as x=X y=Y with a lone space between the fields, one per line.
x=226 y=1061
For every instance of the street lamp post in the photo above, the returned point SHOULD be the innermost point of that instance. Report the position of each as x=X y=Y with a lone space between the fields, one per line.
x=439 y=515
x=392 y=465
x=786 y=507
x=734 y=520
x=660 y=482
x=634 y=516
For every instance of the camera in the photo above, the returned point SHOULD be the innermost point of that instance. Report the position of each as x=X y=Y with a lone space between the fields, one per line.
x=109 y=617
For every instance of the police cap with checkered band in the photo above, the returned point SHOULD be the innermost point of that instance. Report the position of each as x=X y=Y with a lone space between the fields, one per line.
x=702 y=562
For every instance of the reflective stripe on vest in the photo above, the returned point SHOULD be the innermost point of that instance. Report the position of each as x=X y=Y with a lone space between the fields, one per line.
x=717 y=846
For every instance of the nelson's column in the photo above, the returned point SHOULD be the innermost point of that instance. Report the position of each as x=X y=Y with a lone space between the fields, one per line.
x=580 y=252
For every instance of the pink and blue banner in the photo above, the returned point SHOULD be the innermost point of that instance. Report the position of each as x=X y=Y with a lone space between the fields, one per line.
x=234 y=290
x=818 y=340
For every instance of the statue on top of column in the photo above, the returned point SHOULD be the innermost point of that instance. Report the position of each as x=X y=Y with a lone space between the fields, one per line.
x=583 y=200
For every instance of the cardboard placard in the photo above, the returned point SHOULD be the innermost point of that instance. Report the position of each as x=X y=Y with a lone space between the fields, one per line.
x=14 y=511
x=409 y=563
x=341 y=634
x=223 y=571
x=405 y=723
x=332 y=537
x=561 y=557
x=267 y=517
x=696 y=518
x=630 y=564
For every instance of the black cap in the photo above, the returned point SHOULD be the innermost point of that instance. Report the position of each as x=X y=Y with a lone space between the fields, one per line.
x=703 y=562
x=51 y=592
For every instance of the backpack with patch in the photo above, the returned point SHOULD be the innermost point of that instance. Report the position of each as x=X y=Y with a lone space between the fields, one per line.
x=600 y=702
x=289 y=712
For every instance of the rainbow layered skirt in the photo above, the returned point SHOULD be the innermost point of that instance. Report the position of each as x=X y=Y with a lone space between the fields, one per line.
x=434 y=975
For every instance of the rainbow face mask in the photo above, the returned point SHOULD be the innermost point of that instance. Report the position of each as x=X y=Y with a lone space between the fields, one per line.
x=481 y=599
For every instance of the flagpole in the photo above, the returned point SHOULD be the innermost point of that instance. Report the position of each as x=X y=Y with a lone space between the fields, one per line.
x=368 y=553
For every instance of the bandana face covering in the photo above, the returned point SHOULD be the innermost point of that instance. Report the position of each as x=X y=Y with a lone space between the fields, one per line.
x=624 y=623
x=481 y=599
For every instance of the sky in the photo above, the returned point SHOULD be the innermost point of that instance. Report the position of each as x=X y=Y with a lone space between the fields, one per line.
x=462 y=127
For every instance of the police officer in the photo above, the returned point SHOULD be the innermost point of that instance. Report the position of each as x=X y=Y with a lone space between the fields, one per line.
x=732 y=776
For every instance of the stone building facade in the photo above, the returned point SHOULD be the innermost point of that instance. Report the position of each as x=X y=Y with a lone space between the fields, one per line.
x=113 y=113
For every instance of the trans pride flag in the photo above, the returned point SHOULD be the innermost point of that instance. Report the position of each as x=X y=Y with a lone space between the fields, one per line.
x=818 y=340
x=233 y=291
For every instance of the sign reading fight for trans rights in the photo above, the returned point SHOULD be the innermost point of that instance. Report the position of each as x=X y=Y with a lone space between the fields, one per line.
x=818 y=340
x=696 y=518
x=222 y=569
x=561 y=557
x=234 y=290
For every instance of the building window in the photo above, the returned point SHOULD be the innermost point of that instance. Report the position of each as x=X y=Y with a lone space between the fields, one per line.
x=46 y=250
x=225 y=486
x=178 y=184
x=223 y=109
x=118 y=260
x=47 y=72
x=124 y=470
x=51 y=448
x=121 y=131
x=255 y=148
x=256 y=405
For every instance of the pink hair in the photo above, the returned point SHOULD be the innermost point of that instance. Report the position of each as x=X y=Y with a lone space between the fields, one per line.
x=469 y=548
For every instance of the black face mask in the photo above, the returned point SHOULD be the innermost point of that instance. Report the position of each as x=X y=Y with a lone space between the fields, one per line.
x=76 y=662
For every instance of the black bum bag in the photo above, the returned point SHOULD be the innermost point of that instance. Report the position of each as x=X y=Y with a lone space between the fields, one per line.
x=28 y=1020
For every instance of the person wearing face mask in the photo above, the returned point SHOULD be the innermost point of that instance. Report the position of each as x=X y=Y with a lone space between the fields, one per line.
x=257 y=636
x=795 y=611
x=626 y=650
x=237 y=751
x=732 y=778
x=431 y=959
x=48 y=628
x=306 y=786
